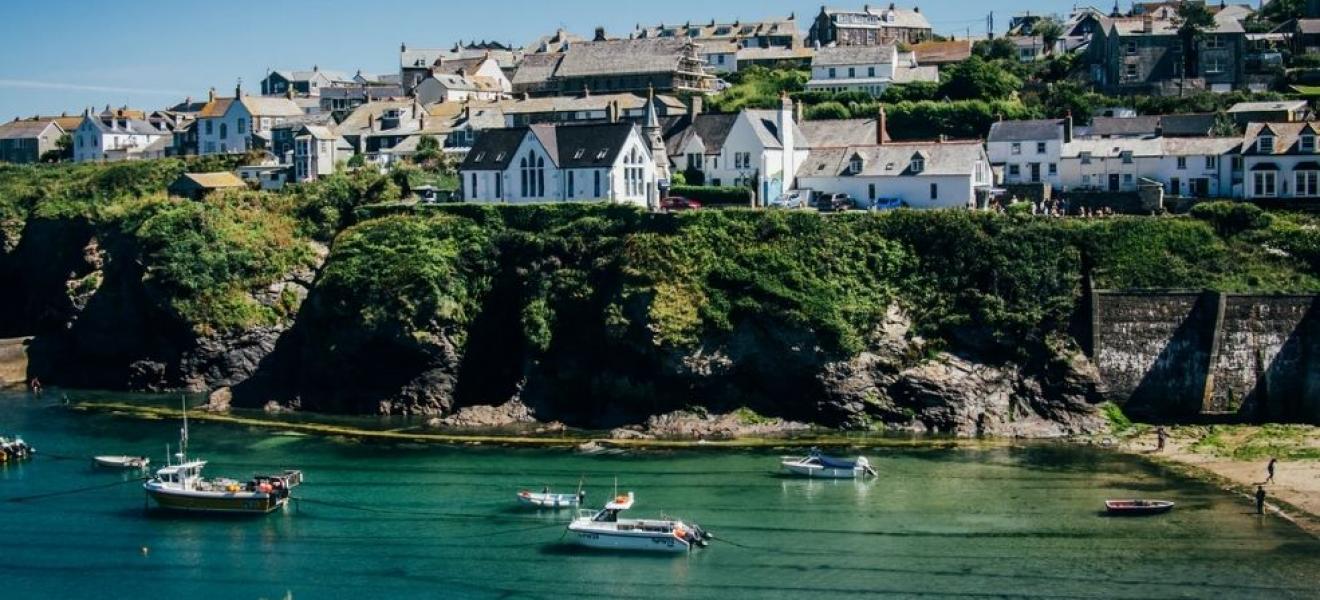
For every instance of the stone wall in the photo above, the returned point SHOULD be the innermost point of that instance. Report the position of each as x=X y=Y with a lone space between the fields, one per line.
x=1181 y=353
x=13 y=362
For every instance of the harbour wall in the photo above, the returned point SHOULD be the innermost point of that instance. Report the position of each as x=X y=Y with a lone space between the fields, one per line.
x=13 y=362
x=1177 y=353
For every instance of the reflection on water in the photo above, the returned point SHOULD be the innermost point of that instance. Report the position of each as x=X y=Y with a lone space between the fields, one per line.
x=408 y=521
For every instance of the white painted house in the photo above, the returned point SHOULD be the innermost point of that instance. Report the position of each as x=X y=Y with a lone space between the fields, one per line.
x=1200 y=167
x=1029 y=151
x=317 y=151
x=561 y=163
x=1282 y=160
x=868 y=69
x=948 y=174
x=440 y=87
x=113 y=138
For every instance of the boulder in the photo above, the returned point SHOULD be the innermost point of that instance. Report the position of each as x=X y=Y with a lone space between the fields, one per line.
x=219 y=400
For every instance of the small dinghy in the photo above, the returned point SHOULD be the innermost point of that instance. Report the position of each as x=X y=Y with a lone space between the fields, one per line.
x=1138 y=508
x=122 y=462
x=546 y=499
x=825 y=467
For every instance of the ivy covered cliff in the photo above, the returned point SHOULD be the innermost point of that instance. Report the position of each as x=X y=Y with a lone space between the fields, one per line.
x=335 y=297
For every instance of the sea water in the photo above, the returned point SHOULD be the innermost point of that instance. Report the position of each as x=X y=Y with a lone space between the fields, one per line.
x=406 y=521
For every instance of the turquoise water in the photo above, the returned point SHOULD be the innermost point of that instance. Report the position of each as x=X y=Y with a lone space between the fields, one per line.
x=410 y=521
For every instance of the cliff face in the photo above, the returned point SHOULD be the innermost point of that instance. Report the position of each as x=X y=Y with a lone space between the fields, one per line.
x=589 y=316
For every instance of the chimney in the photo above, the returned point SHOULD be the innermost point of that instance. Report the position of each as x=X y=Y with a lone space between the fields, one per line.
x=586 y=91
x=798 y=113
x=371 y=122
x=696 y=104
x=600 y=35
x=881 y=127
x=1068 y=128
x=316 y=68
x=1147 y=23
x=289 y=93
x=238 y=90
x=210 y=96
x=787 y=139
x=403 y=48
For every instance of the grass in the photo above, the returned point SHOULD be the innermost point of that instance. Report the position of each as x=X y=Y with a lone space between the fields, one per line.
x=1256 y=443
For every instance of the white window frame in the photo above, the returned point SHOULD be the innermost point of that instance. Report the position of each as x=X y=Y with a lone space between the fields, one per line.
x=1259 y=179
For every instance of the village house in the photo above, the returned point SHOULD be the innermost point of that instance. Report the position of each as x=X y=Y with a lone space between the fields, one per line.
x=588 y=108
x=27 y=140
x=561 y=163
x=340 y=101
x=483 y=69
x=101 y=138
x=1198 y=167
x=417 y=64
x=1303 y=35
x=1282 y=161
x=1029 y=151
x=1287 y=111
x=460 y=124
x=779 y=33
x=756 y=149
x=303 y=83
x=928 y=174
x=869 y=26
x=1145 y=55
x=317 y=151
x=441 y=87
x=384 y=131
x=667 y=65
x=535 y=75
x=868 y=69
x=557 y=42
x=236 y=125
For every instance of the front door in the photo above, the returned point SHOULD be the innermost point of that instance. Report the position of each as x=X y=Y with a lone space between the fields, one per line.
x=1200 y=187
x=1113 y=183
x=1035 y=172
x=1175 y=186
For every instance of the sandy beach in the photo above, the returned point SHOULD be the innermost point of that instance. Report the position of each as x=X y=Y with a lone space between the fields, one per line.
x=1237 y=456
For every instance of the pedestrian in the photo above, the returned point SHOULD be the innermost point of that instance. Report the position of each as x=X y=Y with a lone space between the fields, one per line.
x=1270 y=469
x=1161 y=437
x=1260 y=500
x=35 y=386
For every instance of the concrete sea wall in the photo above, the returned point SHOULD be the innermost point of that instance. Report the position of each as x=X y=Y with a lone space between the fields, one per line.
x=1183 y=353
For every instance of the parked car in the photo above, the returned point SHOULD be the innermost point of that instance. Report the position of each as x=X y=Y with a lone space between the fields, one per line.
x=888 y=204
x=679 y=204
x=835 y=202
x=791 y=200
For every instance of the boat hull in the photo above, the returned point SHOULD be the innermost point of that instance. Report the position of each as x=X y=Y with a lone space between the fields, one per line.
x=216 y=502
x=666 y=543
x=121 y=462
x=820 y=472
x=1128 y=508
x=548 y=500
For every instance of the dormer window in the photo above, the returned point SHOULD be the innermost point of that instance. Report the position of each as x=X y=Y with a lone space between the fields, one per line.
x=1265 y=144
x=855 y=164
x=579 y=153
x=918 y=163
x=1307 y=143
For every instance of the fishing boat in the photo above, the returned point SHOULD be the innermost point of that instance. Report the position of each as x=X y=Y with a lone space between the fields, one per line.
x=546 y=499
x=121 y=462
x=818 y=465
x=604 y=529
x=181 y=487
x=14 y=449
x=1138 y=508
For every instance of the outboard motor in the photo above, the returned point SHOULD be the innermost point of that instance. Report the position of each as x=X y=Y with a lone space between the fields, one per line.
x=697 y=536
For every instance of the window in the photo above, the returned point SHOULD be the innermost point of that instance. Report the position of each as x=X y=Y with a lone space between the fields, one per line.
x=1130 y=71
x=870 y=71
x=934 y=191
x=1131 y=48
x=852 y=73
x=1040 y=147
x=1211 y=163
x=855 y=165
x=634 y=173
x=1086 y=180
x=1214 y=65
x=870 y=190
x=1127 y=178
x=1263 y=183
x=1237 y=162
x=1127 y=157
x=1014 y=170
x=1182 y=163
x=1215 y=42
x=596 y=186
x=1017 y=148
x=1265 y=144
x=833 y=73
x=474 y=185
x=918 y=164
x=1306 y=184
x=1307 y=143
x=242 y=127
x=1054 y=168
x=209 y=123
x=224 y=130
x=499 y=186
x=571 y=191
x=1086 y=158
x=694 y=161
x=742 y=160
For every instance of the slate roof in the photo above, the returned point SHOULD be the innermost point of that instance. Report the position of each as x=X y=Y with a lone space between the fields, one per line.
x=451 y=66
x=766 y=127
x=1308 y=26
x=714 y=31
x=131 y=126
x=291 y=75
x=213 y=181
x=661 y=55
x=270 y=106
x=895 y=160
x=939 y=53
x=775 y=53
x=420 y=58
x=1026 y=131
x=1114 y=148
x=1205 y=146
x=536 y=68
x=1102 y=126
x=903 y=18
x=215 y=108
x=25 y=128
x=1286 y=136
x=839 y=132
x=713 y=129
x=583 y=103
x=853 y=55
x=1271 y=106
x=1190 y=124
x=569 y=146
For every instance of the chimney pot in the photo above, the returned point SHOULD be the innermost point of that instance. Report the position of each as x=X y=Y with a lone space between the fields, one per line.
x=881 y=127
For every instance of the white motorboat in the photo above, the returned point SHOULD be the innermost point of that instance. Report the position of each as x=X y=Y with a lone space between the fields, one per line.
x=818 y=465
x=604 y=529
x=14 y=449
x=546 y=499
x=122 y=462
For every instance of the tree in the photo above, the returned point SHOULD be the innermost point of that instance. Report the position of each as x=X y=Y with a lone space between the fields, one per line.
x=996 y=49
x=1279 y=11
x=1196 y=20
x=1225 y=126
x=979 y=79
x=1050 y=31
x=430 y=156
x=357 y=162
x=63 y=150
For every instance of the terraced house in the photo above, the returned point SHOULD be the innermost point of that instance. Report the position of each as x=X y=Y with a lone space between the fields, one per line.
x=1282 y=161
x=870 y=26
x=26 y=140
x=666 y=65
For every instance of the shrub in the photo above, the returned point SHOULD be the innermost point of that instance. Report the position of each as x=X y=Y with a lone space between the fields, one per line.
x=1232 y=218
x=711 y=195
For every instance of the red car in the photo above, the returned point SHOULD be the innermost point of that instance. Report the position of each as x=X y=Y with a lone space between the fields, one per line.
x=679 y=204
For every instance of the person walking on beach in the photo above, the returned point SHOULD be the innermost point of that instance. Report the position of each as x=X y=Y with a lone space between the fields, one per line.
x=1270 y=469
x=1260 y=499
x=1161 y=437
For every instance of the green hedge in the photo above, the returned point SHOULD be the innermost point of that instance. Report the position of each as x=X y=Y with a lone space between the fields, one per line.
x=712 y=195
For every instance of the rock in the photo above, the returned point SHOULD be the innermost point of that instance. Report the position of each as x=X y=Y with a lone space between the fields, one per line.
x=219 y=400
x=700 y=425
x=275 y=408
x=486 y=417
x=630 y=433
x=227 y=360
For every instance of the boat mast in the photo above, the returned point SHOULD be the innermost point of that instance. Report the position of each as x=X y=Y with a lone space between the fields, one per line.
x=183 y=433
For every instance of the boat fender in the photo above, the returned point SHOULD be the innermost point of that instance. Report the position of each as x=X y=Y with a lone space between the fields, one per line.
x=680 y=533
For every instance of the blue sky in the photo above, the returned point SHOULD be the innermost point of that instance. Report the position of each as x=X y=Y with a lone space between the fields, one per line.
x=150 y=53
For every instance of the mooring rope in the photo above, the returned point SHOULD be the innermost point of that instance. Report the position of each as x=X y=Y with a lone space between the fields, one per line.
x=21 y=499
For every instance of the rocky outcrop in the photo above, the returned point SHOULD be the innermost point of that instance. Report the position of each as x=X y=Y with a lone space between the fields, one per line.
x=509 y=414
x=702 y=425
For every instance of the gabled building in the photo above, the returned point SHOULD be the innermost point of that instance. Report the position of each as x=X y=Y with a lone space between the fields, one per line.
x=483 y=68
x=1288 y=111
x=588 y=108
x=100 y=138
x=197 y=186
x=27 y=140
x=779 y=33
x=1029 y=151
x=303 y=83
x=317 y=151
x=868 y=69
x=1195 y=167
x=416 y=64
x=245 y=122
x=666 y=65
x=1145 y=55
x=535 y=75
x=561 y=163
x=870 y=26
x=440 y=87
x=921 y=175
x=1282 y=161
